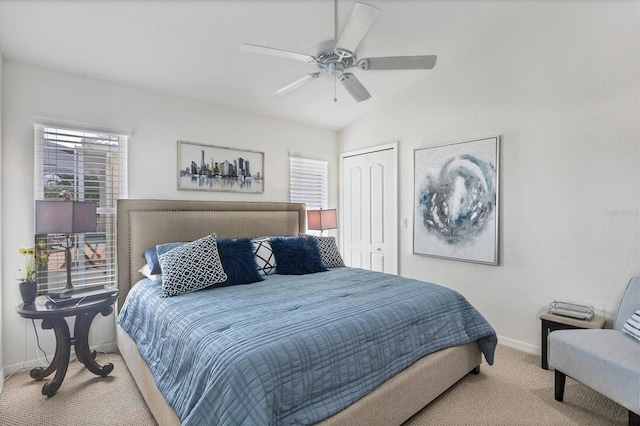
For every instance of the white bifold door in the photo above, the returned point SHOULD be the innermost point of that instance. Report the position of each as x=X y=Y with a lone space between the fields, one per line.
x=369 y=209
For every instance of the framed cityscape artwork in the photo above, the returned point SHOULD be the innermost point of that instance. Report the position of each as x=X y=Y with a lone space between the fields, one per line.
x=456 y=201
x=216 y=168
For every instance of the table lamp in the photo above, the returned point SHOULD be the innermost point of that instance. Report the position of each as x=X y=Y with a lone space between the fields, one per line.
x=66 y=217
x=319 y=220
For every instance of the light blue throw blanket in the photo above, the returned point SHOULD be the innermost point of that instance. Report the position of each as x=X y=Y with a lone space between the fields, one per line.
x=292 y=349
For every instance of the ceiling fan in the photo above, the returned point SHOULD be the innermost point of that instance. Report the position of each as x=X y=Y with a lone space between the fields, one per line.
x=335 y=56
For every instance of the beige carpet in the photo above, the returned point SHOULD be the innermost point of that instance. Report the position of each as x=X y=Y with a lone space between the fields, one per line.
x=515 y=391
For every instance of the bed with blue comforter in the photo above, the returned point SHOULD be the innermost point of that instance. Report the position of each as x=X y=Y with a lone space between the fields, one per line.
x=292 y=349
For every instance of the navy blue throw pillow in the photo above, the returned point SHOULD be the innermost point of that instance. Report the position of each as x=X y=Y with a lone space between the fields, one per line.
x=296 y=256
x=238 y=261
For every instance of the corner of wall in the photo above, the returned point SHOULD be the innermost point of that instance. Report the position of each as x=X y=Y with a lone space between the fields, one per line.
x=1 y=329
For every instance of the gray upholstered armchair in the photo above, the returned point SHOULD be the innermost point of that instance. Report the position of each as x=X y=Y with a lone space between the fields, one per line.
x=607 y=360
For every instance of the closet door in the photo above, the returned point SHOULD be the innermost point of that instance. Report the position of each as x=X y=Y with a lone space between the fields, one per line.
x=369 y=210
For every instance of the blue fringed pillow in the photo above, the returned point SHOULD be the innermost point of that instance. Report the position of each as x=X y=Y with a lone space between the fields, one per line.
x=296 y=256
x=238 y=261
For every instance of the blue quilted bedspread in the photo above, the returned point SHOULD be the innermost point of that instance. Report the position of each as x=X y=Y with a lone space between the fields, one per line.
x=292 y=349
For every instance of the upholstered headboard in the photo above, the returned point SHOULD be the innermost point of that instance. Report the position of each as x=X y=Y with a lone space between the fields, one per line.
x=145 y=223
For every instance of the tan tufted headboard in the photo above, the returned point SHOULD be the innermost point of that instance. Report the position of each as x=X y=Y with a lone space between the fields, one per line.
x=145 y=223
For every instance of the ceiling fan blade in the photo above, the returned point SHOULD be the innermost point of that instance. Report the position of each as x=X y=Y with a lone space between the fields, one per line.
x=359 y=22
x=298 y=83
x=426 y=62
x=354 y=87
x=254 y=48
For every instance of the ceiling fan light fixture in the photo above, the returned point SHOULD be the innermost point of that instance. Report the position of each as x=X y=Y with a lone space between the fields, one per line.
x=335 y=69
x=334 y=57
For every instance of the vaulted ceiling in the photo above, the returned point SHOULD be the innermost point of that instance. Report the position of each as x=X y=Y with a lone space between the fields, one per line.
x=191 y=48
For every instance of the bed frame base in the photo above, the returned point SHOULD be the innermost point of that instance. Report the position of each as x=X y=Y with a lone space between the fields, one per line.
x=393 y=403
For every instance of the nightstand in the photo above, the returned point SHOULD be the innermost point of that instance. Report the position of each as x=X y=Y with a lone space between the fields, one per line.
x=84 y=305
x=551 y=322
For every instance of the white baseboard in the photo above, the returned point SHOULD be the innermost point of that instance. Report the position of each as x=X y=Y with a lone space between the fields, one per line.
x=29 y=364
x=521 y=346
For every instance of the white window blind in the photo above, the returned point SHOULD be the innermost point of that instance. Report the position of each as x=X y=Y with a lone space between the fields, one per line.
x=308 y=182
x=80 y=165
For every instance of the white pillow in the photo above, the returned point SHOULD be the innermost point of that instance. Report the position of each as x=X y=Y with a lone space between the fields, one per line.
x=146 y=271
x=265 y=259
x=632 y=326
x=190 y=267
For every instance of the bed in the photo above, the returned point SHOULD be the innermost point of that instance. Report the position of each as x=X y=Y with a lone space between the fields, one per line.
x=145 y=223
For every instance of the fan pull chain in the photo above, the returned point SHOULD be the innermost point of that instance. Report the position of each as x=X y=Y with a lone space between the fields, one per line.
x=335 y=88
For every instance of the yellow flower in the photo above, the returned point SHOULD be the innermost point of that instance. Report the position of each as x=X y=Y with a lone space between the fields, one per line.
x=29 y=263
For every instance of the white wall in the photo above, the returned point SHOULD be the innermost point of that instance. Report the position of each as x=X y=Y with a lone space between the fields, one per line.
x=158 y=121
x=1 y=238
x=559 y=83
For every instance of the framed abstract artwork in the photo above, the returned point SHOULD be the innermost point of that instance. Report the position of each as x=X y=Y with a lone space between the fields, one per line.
x=456 y=201
x=216 y=168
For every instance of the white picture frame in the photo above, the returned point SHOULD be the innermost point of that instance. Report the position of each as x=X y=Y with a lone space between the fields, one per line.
x=456 y=201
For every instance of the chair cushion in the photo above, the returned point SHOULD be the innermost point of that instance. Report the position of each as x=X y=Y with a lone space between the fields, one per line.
x=605 y=360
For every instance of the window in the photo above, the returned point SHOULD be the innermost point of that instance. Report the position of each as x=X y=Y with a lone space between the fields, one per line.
x=83 y=165
x=308 y=182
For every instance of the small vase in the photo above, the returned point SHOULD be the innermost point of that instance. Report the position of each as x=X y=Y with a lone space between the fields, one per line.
x=28 y=291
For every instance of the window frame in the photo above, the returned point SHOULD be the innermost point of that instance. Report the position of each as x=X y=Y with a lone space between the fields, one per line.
x=97 y=160
x=309 y=182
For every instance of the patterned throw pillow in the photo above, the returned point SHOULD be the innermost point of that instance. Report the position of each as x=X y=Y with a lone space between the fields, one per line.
x=265 y=259
x=190 y=267
x=632 y=326
x=328 y=251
